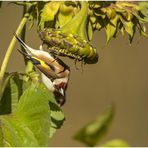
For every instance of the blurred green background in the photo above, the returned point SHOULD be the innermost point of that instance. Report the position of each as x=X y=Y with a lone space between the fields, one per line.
x=120 y=77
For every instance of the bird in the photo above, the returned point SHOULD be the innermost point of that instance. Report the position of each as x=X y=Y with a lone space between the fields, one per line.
x=55 y=73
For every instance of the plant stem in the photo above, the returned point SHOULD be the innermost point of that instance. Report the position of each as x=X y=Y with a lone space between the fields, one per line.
x=23 y=32
x=11 y=46
x=28 y=63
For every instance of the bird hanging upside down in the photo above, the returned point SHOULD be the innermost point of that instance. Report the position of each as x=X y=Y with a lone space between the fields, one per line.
x=55 y=73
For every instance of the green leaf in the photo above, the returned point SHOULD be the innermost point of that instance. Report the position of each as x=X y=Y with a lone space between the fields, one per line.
x=33 y=110
x=89 y=31
x=143 y=33
x=28 y=105
x=48 y=12
x=10 y=93
x=129 y=28
x=57 y=119
x=144 y=9
x=65 y=15
x=29 y=124
x=111 y=28
x=142 y=29
x=15 y=133
x=5 y=96
x=121 y=28
x=56 y=115
x=91 y=134
x=93 y=19
x=13 y=88
x=115 y=143
x=78 y=23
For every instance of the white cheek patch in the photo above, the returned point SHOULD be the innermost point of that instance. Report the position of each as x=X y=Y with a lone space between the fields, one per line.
x=59 y=93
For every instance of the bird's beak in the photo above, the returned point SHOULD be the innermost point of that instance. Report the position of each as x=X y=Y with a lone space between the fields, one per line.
x=25 y=46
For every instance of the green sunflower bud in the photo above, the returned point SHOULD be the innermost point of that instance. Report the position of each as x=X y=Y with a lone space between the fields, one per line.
x=66 y=44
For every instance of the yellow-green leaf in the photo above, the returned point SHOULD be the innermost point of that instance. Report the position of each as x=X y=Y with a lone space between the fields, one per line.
x=115 y=143
x=129 y=28
x=89 y=31
x=91 y=133
x=111 y=28
x=48 y=12
x=65 y=15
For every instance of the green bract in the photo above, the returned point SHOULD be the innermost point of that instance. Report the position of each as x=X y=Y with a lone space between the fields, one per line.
x=118 y=16
x=83 y=18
